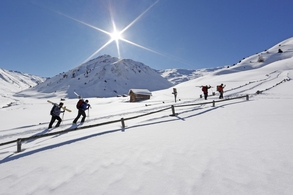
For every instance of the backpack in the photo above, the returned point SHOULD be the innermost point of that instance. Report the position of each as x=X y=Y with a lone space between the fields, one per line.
x=52 y=110
x=218 y=88
x=79 y=103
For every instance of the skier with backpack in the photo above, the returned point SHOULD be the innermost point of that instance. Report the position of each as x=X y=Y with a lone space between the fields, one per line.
x=82 y=106
x=205 y=91
x=55 y=112
x=220 y=89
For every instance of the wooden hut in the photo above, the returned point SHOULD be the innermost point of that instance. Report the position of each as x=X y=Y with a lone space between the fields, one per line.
x=139 y=94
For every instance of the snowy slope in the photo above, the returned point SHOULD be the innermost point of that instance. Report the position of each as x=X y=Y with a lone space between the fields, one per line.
x=177 y=75
x=237 y=147
x=13 y=81
x=104 y=76
x=268 y=56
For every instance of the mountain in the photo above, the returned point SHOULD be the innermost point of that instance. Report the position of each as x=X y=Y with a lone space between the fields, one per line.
x=104 y=76
x=108 y=76
x=178 y=75
x=278 y=53
x=12 y=82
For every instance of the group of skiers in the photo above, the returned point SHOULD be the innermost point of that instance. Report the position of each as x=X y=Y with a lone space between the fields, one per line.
x=220 y=89
x=82 y=106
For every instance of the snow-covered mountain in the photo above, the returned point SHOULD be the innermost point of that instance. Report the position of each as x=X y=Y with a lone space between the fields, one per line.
x=107 y=76
x=177 y=75
x=14 y=81
x=278 y=53
x=104 y=76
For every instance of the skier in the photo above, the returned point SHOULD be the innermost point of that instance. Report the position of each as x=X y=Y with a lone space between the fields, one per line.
x=220 y=89
x=55 y=112
x=205 y=91
x=81 y=111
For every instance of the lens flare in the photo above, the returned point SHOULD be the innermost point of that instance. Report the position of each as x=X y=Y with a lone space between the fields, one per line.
x=117 y=35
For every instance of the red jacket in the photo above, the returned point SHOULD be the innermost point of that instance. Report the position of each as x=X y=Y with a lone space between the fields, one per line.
x=205 y=89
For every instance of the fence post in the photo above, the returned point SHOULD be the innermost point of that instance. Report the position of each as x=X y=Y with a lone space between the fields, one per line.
x=175 y=93
x=123 y=123
x=18 y=145
x=247 y=97
x=173 y=110
x=214 y=103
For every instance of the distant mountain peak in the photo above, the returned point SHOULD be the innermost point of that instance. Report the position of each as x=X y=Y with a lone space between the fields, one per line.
x=105 y=76
x=15 y=81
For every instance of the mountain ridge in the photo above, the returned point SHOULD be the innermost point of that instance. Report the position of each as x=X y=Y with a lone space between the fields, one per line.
x=104 y=76
x=14 y=81
x=107 y=76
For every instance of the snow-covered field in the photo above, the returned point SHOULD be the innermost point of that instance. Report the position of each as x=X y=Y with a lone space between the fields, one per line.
x=236 y=147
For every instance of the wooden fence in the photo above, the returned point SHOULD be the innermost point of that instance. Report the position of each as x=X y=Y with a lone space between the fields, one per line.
x=122 y=121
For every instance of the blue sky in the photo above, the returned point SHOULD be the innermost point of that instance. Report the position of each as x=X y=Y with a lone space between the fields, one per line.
x=46 y=38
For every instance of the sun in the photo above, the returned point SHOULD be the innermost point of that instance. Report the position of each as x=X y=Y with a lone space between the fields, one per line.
x=116 y=35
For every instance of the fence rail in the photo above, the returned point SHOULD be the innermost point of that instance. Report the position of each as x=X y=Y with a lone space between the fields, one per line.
x=122 y=120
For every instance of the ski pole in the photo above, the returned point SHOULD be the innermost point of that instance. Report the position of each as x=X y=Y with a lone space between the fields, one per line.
x=88 y=110
x=63 y=113
x=212 y=91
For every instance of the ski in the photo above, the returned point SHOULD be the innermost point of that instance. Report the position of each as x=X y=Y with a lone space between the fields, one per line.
x=77 y=95
x=64 y=107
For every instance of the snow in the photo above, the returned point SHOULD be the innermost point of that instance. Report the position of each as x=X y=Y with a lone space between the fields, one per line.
x=12 y=82
x=237 y=147
x=177 y=76
x=140 y=91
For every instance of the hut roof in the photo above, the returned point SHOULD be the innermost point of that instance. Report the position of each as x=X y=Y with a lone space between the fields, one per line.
x=140 y=91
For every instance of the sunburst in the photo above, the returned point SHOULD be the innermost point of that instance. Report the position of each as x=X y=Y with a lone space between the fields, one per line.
x=117 y=35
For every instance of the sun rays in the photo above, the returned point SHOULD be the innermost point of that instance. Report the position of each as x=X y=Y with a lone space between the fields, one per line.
x=116 y=35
